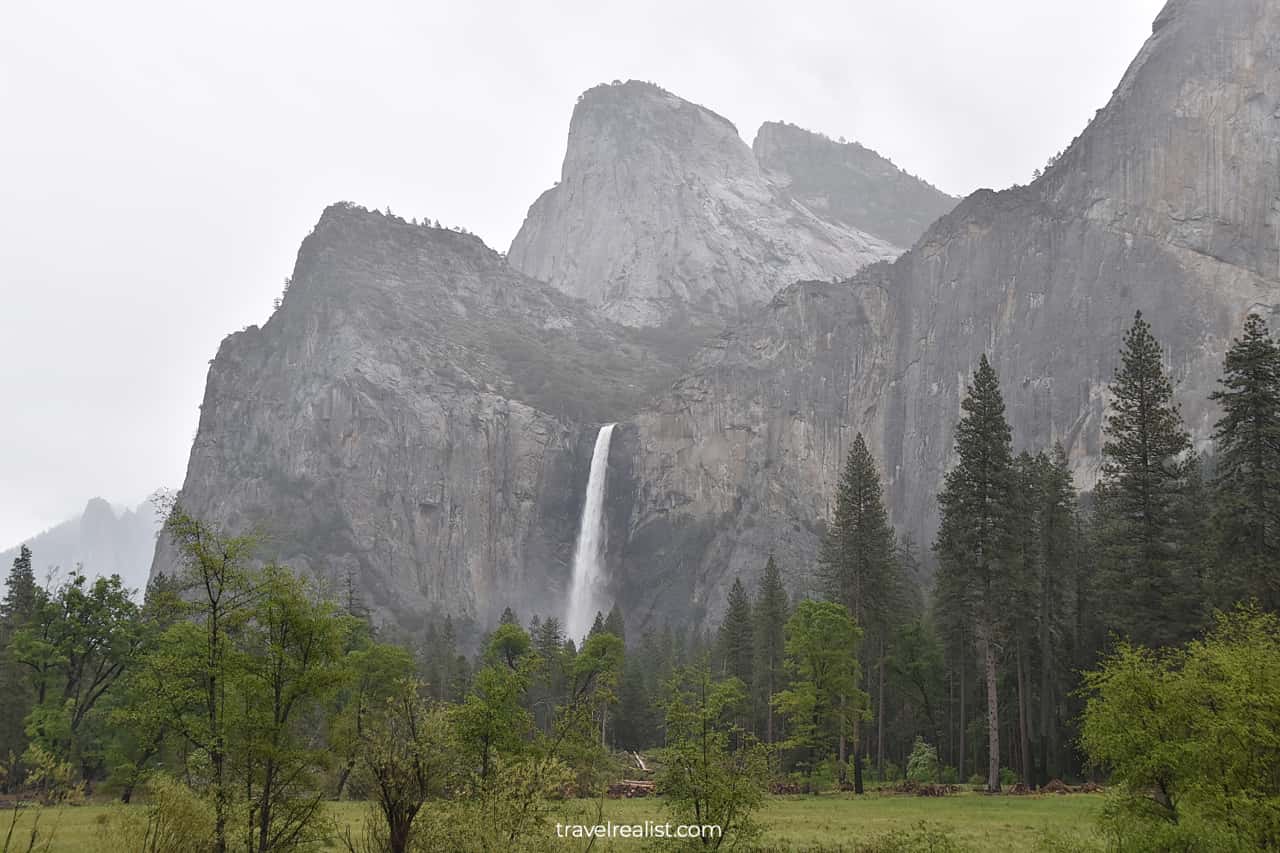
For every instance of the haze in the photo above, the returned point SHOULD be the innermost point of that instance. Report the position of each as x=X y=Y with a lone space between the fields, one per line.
x=161 y=164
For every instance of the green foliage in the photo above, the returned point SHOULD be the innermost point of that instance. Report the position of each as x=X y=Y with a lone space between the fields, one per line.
x=823 y=700
x=78 y=641
x=770 y=615
x=1151 y=593
x=1247 y=486
x=174 y=820
x=512 y=809
x=713 y=772
x=856 y=562
x=922 y=764
x=409 y=754
x=925 y=837
x=1191 y=737
x=735 y=641
x=977 y=557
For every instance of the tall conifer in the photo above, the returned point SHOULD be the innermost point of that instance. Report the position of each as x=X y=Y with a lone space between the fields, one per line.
x=1247 y=486
x=975 y=542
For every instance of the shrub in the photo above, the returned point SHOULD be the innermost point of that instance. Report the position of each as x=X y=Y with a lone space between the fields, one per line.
x=175 y=820
x=1008 y=778
x=924 y=837
x=922 y=765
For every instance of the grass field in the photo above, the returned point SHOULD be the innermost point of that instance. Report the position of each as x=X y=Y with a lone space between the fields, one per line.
x=1006 y=823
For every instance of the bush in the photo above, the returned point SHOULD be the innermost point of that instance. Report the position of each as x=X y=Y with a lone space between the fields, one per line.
x=925 y=837
x=1008 y=778
x=949 y=776
x=175 y=820
x=511 y=810
x=922 y=765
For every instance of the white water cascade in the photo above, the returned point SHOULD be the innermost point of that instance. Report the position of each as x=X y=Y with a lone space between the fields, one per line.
x=587 y=594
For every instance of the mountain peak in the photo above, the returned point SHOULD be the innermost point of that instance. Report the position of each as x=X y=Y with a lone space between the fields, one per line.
x=849 y=183
x=663 y=211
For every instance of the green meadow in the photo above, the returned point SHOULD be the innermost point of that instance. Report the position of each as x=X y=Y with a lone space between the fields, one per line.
x=829 y=822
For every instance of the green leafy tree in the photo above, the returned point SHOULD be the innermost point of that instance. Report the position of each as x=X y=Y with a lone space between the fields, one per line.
x=823 y=700
x=378 y=671
x=293 y=663
x=713 y=772
x=922 y=764
x=1151 y=595
x=1191 y=736
x=492 y=719
x=975 y=544
x=76 y=645
x=407 y=756
x=1247 y=487
x=195 y=663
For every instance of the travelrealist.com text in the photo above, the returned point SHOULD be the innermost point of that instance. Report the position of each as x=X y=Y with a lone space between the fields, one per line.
x=648 y=829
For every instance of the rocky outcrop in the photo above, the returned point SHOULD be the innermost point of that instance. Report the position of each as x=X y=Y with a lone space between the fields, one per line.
x=102 y=540
x=416 y=415
x=1168 y=203
x=662 y=211
x=848 y=183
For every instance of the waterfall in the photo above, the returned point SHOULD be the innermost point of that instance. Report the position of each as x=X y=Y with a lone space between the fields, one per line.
x=587 y=594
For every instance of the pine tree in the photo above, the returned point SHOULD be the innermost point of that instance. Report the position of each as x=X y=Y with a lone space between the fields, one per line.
x=976 y=538
x=1151 y=595
x=21 y=593
x=770 y=614
x=613 y=623
x=858 y=569
x=1247 y=486
x=856 y=562
x=1058 y=528
x=736 y=644
x=597 y=626
x=22 y=598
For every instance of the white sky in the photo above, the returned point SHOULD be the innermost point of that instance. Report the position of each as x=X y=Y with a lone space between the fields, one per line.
x=160 y=162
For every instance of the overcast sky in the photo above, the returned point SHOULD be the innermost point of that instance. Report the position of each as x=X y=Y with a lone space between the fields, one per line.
x=160 y=162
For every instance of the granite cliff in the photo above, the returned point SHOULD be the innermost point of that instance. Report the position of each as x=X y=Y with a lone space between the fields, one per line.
x=419 y=415
x=1168 y=203
x=413 y=416
x=420 y=412
x=662 y=212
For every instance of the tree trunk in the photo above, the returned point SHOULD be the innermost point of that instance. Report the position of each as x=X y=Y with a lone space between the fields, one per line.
x=988 y=654
x=857 y=761
x=1024 y=721
x=963 y=739
x=1046 y=699
x=342 y=778
x=880 y=717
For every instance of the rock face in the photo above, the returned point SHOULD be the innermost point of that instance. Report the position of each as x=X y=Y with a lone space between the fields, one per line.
x=103 y=540
x=662 y=211
x=1168 y=203
x=847 y=183
x=420 y=414
x=417 y=415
